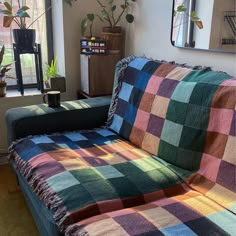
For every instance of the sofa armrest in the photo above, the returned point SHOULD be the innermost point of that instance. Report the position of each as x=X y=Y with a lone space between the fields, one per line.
x=41 y=119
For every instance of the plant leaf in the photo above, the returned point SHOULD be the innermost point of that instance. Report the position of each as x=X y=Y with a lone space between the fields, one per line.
x=129 y=18
x=8 y=6
x=113 y=8
x=90 y=17
x=84 y=25
x=181 y=8
x=21 y=13
x=2 y=54
x=6 y=12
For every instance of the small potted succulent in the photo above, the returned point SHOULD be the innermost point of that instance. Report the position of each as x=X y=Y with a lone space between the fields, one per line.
x=3 y=76
x=24 y=37
x=52 y=80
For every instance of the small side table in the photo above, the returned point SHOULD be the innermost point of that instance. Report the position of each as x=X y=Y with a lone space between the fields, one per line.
x=36 y=50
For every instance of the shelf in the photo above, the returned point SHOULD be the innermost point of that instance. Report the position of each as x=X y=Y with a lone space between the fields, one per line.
x=230 y=18
x=228 y=41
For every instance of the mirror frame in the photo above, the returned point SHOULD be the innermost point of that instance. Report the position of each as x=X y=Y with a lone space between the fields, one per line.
x=190 y=48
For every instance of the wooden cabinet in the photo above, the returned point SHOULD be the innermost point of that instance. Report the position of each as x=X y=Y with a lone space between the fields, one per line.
x=97 y=73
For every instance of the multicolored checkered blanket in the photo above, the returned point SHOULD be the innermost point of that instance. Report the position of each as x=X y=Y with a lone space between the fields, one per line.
x=170 y=142
x=186 y=214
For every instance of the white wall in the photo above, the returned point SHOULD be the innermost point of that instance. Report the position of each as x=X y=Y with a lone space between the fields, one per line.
x=149 y=36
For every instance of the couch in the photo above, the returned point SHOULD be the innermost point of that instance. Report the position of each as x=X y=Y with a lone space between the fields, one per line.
x=156 y=158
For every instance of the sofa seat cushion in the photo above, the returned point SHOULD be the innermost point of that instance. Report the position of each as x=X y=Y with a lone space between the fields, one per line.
x=81 y=174
x=186 y=214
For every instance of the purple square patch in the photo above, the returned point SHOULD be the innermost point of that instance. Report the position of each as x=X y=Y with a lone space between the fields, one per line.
x=155 y=125
x=167 y=87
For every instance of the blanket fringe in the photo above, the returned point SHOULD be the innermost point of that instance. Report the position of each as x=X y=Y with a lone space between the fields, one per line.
x=43 y=191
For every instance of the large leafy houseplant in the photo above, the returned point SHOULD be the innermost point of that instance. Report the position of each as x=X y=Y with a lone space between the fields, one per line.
x=110 y=13
x=19 y=17
x=23 y=37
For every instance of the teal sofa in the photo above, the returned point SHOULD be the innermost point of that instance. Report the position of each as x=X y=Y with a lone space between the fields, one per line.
x=156 y=158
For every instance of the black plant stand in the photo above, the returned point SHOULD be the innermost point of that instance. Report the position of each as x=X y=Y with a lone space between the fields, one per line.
x=36 y=50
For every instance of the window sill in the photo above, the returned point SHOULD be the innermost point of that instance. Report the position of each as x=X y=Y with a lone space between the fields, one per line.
x=27 y=92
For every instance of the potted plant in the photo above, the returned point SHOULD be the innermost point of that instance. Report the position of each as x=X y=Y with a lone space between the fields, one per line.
x=111 y=14
x=3 y=76
x=23 y=37
x=181 y=9
x=52 y=80
x=108 y=15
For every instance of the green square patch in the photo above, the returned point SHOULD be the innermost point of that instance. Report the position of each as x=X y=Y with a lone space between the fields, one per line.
x=62 y=181
x=203 y=94
x=86 y=175
x=171 y=133
x=193 y=139
x=147 y=164
x=75 y=197
x=207 y=76
x=108 y=172
x=145 y=183
x=127 y=168
x=197 y=117
x=188 y=159
x=101 y=190
x=183 y=91
x=124 y=187
x=167 y=152
x=177 y=112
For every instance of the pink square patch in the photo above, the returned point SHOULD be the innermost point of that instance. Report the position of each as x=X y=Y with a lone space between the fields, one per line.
x=154 y=84
x=220 y=120
x=209 y=167
x=230 y=82
x=141 y=120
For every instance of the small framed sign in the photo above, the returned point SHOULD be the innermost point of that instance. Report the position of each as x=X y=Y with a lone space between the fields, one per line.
x=93 y=46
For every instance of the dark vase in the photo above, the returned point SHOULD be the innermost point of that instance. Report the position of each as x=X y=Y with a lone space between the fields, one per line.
x=24 y=38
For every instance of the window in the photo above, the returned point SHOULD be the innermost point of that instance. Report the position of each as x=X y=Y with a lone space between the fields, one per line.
x=42 y=35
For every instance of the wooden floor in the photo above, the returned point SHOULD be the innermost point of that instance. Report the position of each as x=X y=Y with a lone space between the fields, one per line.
x=15 y=218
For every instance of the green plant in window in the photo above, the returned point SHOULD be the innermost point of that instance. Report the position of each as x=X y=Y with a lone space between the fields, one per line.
x=181 y=9
x=19 y=17
x=50 y=70
x=4 y=68
x=110 y=13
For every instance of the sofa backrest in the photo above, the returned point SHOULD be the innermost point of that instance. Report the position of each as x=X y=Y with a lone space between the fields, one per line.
x=185 y=116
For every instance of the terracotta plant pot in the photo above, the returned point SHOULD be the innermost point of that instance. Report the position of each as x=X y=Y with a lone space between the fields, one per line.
x=116 y=29
x=115 y=39
x=3 y=86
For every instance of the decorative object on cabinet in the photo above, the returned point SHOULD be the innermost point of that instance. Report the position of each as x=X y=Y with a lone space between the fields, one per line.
x=93 y=45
